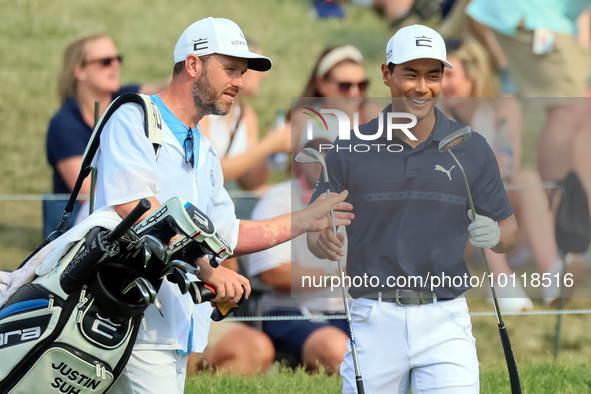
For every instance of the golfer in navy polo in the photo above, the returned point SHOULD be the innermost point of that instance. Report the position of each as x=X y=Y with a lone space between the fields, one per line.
x=412 y=222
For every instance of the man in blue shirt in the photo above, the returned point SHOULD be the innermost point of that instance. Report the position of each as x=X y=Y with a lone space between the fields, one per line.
x=410 y=230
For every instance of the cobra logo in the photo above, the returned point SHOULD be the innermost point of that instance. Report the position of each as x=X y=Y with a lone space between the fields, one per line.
x=19 y=335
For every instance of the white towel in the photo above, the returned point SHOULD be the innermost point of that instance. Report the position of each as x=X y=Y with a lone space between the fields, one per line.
x=47 y=258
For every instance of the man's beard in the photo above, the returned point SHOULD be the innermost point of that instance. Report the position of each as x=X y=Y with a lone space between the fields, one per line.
x=205 y=97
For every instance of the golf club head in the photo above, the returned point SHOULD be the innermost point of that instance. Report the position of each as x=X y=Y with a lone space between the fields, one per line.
x=158 y=305
x=158 y=249
x=166 y=271
x=141 y=288
x=147 y=255
x=309 y=155
x=153 y=295
x=186 y=267
x=150 y=288
x=454 y=139
x=179 y=277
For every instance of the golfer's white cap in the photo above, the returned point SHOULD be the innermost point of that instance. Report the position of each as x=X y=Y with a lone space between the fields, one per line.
x=217 y=35
x=416 y=42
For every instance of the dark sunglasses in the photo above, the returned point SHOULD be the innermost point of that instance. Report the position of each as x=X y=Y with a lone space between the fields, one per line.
x=189 y=146
x=106 y=61
x=344 y=87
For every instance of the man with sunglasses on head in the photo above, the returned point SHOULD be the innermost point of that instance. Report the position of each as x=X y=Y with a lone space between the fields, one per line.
x=412 y=222
x=210 y=58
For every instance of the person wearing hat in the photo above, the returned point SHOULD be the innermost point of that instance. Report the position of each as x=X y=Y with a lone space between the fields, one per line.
x=412 y=222
x=210 y=58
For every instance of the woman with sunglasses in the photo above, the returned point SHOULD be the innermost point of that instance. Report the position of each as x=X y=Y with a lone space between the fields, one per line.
x=338 y=82
x=90 y=74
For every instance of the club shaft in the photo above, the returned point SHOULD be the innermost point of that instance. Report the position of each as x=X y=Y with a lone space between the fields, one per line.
x=507 y=348
x=486 y=268
x=358 y=378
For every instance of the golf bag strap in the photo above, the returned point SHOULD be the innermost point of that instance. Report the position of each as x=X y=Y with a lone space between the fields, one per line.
x=153 y=130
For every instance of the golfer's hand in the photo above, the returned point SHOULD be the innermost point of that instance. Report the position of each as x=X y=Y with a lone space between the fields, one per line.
x=319 y=212
x=330 y=245
x=485 y=232
x=228 y=284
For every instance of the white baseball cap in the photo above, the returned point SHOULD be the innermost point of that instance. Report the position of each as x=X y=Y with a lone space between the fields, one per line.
x=416 y=42
x=217 y=35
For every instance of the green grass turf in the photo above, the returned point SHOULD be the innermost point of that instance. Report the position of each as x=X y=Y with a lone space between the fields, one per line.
x=547 y=378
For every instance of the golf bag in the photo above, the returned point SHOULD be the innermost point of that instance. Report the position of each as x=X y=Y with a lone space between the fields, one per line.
x=72 y=329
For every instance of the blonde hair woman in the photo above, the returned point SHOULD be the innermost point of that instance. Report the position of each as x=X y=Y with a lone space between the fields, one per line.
x=90 y=73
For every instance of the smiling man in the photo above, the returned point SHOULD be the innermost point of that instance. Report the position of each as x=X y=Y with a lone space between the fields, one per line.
x=411 y=225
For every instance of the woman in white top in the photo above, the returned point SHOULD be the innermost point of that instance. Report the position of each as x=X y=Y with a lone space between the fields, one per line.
x=471 y=92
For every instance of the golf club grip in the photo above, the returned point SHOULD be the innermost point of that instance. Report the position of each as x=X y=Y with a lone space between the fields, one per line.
x=359 y=382
x=142 y=207
x=511 y=365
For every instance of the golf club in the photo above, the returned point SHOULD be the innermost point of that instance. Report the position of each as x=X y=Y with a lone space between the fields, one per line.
x=157 y=248
x=186 y=267
x=141 y=288
x=179 y=277
x=309 y=155
x=445 y=145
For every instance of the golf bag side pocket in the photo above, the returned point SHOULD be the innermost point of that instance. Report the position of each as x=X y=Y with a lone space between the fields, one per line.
x=50 y=344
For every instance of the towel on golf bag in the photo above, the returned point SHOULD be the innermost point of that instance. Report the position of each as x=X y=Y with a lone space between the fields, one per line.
x=47 y=258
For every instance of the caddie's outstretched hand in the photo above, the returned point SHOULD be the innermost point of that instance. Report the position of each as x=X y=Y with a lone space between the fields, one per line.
x=319 y=212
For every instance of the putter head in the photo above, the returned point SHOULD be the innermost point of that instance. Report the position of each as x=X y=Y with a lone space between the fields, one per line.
x=309 y=155
x=454 y=139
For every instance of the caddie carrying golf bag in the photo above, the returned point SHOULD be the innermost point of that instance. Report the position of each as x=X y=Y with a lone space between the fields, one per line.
x=72 y=329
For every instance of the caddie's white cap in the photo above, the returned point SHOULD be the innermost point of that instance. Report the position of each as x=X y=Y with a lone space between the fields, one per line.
x=416 y=42
x=217 y=35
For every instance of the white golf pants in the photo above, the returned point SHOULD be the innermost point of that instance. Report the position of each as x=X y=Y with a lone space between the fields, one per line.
x=427 y=347
x=152 y=372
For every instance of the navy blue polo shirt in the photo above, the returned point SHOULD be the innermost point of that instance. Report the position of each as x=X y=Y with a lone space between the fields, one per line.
x=411 y=207
x=68 y=135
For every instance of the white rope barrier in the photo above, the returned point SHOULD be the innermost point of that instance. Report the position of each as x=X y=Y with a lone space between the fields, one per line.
x=243 y=194
x=342 y=317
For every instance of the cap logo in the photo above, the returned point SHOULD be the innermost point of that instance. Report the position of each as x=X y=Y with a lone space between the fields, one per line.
x=238 y=42
x=423 y=41
x=200 y=44
x=388 y=54
x=242 y=35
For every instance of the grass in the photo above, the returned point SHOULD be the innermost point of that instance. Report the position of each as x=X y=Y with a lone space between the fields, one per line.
x=548 y=378
x=33 y=36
